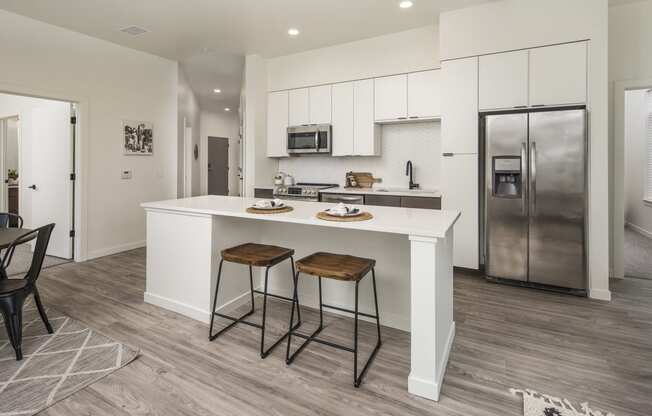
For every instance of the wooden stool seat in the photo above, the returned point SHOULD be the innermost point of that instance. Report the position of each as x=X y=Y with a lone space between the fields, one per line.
x=259 y=255
x=335 y=266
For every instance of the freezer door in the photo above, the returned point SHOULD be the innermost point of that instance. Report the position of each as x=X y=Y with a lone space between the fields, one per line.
x=506 y=195
x=557 y=198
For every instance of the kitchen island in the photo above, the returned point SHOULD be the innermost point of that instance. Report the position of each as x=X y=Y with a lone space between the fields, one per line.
x=413 y=249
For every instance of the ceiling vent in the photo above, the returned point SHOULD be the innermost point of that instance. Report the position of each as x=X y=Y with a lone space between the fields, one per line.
x=134 y=30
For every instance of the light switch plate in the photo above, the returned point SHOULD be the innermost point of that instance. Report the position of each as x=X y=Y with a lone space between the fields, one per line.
x=126 y=174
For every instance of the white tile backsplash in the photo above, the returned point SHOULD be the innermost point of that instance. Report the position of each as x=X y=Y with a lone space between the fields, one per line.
x=418 y=142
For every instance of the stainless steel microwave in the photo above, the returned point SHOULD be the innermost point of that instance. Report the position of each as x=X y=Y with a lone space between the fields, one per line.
x=313 y=138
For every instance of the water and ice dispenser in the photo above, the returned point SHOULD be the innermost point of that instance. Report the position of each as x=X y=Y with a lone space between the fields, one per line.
x=507 y=178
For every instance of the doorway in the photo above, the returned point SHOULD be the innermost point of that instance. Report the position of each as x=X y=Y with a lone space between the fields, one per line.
x=38 y=171
x=218 y=165
x=638 y=183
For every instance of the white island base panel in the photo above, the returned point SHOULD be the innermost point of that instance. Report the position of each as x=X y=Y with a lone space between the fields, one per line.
x=414 y=275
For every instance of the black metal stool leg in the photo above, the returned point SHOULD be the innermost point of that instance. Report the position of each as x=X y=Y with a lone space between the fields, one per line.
x=321 y=306
x=358 y=378
x=264 y=353
x=41 y=311
x=217 y=288
x=356 y=382
x=298 y=305
x=373 y=279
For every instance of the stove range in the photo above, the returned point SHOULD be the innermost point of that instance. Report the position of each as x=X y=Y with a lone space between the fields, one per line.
x=302 y=191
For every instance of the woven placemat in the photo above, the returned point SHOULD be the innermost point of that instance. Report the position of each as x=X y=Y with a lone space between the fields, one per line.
x=253 y=210
x=327 y=217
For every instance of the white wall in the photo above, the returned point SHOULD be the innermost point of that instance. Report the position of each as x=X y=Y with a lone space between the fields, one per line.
x=401 y=52
x=111 y=83
x=259 y=169
x=188 y=109
x=515 y=24
x=220 y=124
x=637 y=212
x=418 y=142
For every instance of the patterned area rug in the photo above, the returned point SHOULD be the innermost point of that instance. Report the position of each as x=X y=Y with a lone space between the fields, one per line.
x=54 y=365
x=537 y=404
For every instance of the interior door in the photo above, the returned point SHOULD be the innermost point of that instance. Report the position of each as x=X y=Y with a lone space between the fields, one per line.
x=218 y=166
x=506 y=195
x=51 y=165
x=558 y=198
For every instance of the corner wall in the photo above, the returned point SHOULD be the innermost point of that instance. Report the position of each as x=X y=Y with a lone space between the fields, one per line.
x=188 y=108
x=112 y=83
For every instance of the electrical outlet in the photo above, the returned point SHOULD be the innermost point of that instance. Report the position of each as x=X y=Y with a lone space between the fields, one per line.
x=126 y=174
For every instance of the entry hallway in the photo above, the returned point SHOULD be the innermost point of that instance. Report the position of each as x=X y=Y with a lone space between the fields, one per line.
x=507 y=337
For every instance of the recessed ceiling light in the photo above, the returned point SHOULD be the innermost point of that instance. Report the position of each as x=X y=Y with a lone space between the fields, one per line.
x=227 y=109
x=217 y=90
x=406 y=4
x=293 y=31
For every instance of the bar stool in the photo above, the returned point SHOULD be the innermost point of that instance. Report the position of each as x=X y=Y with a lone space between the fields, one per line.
x=259 y=255
x=344 y=268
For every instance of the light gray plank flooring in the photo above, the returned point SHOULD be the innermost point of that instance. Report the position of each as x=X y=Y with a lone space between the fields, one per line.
x=570 y=347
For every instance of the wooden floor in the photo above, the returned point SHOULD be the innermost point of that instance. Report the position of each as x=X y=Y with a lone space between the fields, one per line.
x=506 y=337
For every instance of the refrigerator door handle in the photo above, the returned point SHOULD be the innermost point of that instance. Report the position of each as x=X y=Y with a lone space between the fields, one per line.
x=533 y=176
x=523 y=170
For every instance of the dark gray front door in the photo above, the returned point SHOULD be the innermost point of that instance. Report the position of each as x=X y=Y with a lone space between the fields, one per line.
x=218 y=166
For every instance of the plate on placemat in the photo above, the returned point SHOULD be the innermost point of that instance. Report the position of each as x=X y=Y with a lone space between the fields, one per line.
x=352 y=213
x=361 y=216
x=276 y=210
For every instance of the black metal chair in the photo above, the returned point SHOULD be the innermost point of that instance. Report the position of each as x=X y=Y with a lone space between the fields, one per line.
x=13 y=292
x=9 y=219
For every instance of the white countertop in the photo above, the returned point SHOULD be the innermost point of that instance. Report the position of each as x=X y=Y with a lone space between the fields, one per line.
x=408 y=221
x=390 y=191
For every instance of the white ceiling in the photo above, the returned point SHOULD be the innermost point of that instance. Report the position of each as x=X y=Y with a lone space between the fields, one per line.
x=210 y=37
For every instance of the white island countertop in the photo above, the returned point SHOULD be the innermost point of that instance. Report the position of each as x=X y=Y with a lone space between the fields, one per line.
x=407 y=221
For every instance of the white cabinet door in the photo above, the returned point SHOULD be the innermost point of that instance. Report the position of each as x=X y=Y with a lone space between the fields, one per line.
x=424 y=94
x=277 y=123
x=504 y=80
x=299 y=107
x=558 y=74
x=343 y=119
x=390 y=98
x=366 y=132
x=460 y=192
x=460 y=106
x=320 y=104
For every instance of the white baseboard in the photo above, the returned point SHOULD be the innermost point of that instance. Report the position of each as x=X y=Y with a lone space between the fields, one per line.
x=600 y=294
x=192 y=311
x=639 y=230
x=430 y=389
x=115 y=249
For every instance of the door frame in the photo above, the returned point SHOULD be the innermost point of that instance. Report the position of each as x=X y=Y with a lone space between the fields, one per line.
x=187 y=159
x=4 y=202
x=618 y=178
x=80 y=131
x=228 y=161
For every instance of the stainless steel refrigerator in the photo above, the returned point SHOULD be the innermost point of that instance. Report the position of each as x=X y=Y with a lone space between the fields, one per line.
x=535 y=197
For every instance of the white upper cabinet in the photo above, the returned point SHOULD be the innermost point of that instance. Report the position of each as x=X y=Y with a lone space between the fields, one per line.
x=299 y=107
x=460 y=106
x=277 y=123
x=558 y=74
x=424 y=94
x=354 y=130
x=320 y=105
x=390 y=98
x=343 y=119
x=503 y=80
x=366 y=132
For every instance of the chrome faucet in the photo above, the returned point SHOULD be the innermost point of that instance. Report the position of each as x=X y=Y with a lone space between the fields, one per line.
x=408 y=172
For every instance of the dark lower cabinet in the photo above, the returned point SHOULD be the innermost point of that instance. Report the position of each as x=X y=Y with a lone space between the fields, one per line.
x=403 y=201
x=420 y=202
x=383 y=200
x=265 y=193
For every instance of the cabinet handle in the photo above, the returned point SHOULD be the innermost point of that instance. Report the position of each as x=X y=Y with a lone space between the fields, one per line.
x=520 y=106
x=402 y=118
x=414 y=117
x=539 y=105
x=447 y=154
